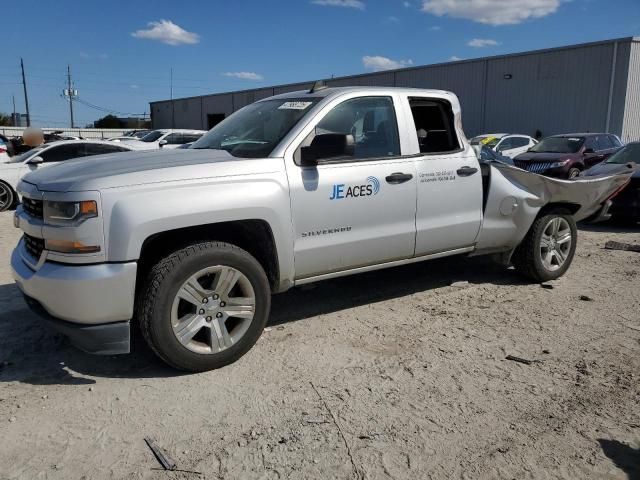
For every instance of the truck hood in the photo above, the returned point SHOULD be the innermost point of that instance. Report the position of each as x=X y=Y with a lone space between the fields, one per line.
x=545 y=157
x=137 y=168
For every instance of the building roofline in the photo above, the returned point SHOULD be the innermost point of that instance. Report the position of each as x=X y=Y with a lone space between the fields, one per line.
x=418 y=67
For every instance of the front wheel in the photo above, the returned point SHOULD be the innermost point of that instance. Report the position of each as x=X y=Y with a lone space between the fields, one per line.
x=204 y=306
x=549 y=247
x=574 y=172
x=7 y=197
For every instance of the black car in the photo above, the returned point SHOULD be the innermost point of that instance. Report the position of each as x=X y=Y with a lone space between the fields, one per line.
x=626 y=203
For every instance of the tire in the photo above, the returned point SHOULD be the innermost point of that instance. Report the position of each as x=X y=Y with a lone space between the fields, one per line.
x=195 y=309
x=544 y=255
x=574 y=172
x=7 y=197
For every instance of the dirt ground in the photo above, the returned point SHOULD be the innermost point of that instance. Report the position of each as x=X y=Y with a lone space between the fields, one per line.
x=394 y=374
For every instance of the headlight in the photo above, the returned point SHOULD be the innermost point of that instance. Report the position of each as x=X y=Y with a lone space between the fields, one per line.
x=69 y=213
x=561 y=163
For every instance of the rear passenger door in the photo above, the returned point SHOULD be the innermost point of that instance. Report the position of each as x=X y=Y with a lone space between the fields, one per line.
x=449 y=200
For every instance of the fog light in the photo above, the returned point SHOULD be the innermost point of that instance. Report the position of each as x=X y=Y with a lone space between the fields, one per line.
x=67 y=246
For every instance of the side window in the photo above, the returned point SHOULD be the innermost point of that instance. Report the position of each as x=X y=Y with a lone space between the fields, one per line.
x=100 y=149
x=604 y=143
x=63 y=152
x=519 y=142
x=506 y=144
x=190 y=137
x=590 y=143
x=357 y=129
x=174 y=139
x=434 y=124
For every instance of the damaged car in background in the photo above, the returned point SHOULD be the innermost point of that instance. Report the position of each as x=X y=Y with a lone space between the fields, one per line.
x=290 y=190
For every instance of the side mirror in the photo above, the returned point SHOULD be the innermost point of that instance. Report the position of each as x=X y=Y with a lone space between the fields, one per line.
x=589 y=151
x=327 y=145
x=35 y=160
x=162 y=143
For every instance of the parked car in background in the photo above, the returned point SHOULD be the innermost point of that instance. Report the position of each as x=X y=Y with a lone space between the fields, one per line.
x=507 y=144
x=45 y=156
x=136 y=133
x=489 y=155
x=5 y=146
x=625 y=205
x=166 y=138
x=565 y=156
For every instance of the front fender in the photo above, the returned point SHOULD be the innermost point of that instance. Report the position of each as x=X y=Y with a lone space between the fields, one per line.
x=138 y=213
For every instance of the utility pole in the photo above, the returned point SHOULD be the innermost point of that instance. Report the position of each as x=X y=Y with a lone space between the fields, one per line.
x=173 y=111
x=15 y=118
x=26 y=97
x=70 y=93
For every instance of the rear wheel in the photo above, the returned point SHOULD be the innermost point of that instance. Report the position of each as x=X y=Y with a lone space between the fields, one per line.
x=549 y=247
x=7 y=197
x=204 y=306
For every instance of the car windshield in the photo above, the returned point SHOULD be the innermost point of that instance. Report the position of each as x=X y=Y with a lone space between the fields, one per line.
x=22 y=157
x=559 y=145
x=152 y=137
x=255 y=130
x=629 y=154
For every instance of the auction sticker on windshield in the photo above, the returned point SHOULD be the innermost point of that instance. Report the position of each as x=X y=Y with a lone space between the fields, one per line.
x=294 y=105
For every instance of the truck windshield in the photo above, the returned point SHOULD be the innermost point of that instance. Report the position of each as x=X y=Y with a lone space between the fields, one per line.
x=255 y=130
x=559 y=145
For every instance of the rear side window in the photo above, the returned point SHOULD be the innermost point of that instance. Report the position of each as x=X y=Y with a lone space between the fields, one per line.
x=191 y=137
x=100 y=149
x=519 y=142
x=434 y=123
x=174 y=139
x=615 y=141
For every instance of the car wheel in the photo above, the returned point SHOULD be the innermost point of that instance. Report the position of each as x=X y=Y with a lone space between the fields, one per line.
x=574 y=172
x=204 y=306
x=549 y=247
x=7 y=197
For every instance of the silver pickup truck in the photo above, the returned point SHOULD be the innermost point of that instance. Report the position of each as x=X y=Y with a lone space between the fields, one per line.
x=190 y=244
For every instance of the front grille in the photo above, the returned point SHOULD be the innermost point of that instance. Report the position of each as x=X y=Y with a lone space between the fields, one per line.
x=34 y=246
x=32 y=207
x=535 y=167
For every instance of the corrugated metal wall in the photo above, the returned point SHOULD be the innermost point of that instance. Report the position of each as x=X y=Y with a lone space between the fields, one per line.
x=631 y=126
x=578 y=88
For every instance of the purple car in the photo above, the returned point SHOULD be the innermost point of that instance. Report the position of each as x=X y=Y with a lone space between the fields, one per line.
x=565 y=156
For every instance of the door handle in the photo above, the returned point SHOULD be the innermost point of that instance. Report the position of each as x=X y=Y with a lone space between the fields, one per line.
x=398 y=177
x=466 y=171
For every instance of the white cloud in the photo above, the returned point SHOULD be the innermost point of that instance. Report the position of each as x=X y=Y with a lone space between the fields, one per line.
x=166 y=31
x=482 y=42
x=340 y=3
x=245 y=75
x=492 y=12
x=435 y=28
x=393 y=19
x=378 y=63
x=134 y=86
x=455 y=59
x=406 y=4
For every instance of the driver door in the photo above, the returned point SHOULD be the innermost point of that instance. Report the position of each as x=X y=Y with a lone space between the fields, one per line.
x=357 y=208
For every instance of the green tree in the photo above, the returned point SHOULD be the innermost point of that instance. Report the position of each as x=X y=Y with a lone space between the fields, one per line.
x=108 y=121
x=5 y=120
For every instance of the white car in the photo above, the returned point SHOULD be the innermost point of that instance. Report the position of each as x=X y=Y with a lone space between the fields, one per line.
x=45 y=156
x=506 y=144
x=166 y=138
x=4 y=147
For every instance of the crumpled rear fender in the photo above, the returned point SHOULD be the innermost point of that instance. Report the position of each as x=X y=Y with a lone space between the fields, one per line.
x=516 y=197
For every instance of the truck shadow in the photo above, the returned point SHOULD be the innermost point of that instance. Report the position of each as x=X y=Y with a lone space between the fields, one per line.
x=30 y=353
x=626 y=458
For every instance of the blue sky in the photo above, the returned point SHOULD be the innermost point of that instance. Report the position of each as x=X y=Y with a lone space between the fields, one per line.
x=121 y=52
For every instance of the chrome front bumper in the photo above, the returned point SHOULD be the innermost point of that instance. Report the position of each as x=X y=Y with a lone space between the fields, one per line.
x=91 y=294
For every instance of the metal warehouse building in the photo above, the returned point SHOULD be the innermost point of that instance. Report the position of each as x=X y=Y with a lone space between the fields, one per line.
x=593 y=87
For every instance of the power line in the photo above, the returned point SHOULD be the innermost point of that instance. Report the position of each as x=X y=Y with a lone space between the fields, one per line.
x=106 y=110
